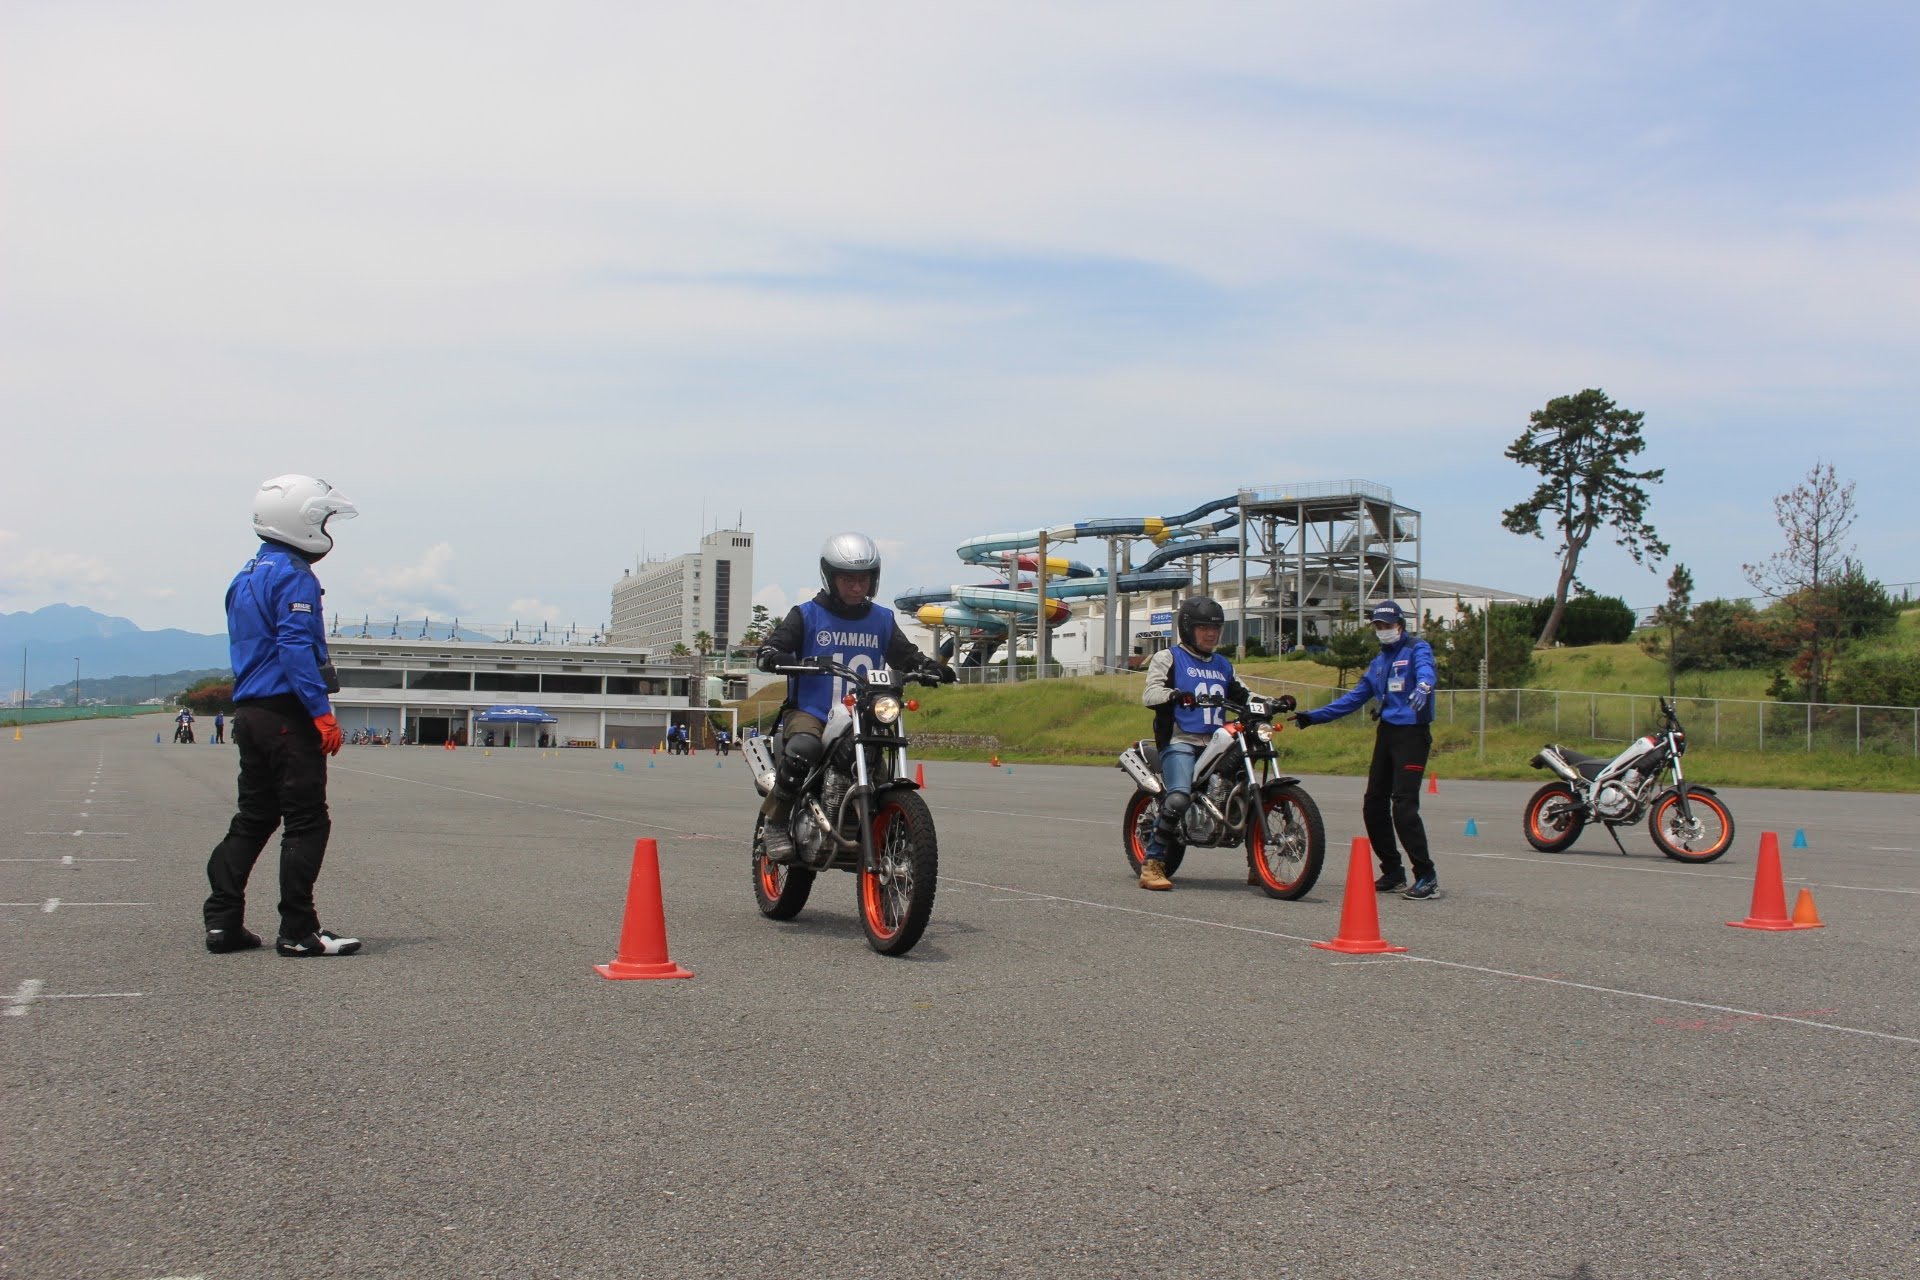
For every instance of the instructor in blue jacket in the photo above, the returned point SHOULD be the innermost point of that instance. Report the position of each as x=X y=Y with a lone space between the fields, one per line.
x=283 y=722
x=1401 y=678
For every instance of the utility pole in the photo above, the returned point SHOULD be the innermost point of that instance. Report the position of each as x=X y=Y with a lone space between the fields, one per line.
x=1042 y=641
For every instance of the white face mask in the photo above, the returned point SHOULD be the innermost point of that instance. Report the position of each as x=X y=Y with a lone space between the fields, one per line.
x=1391 y=636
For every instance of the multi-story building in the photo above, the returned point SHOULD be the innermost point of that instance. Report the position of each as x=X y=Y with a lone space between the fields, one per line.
x=667 y=602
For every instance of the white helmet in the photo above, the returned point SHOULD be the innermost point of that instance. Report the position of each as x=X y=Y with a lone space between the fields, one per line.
x=850 y=553
x=295 y=510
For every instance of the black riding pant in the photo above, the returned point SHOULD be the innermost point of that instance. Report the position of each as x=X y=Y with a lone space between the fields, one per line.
x=1392 y=804
x=283 y=780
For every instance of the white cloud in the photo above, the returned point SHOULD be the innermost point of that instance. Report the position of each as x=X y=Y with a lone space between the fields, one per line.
x=31 y=575
x=427 y=587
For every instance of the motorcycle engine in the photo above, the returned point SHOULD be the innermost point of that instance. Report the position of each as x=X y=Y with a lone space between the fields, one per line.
x=1197 y=826
x=1614 y=803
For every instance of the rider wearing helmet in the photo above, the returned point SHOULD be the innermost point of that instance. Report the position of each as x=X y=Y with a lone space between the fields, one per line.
x=1176 y=677
x=1401 y=677
x=283 y=721
x=841 y=622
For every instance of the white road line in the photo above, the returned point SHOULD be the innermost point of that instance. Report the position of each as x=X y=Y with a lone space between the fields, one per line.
x=113 y=834
x=1047 y=817
x=54 y=904
x=69 y=860
x=1640 y=868
x=1454 y=964
x=24 y=995
x=1890 y=848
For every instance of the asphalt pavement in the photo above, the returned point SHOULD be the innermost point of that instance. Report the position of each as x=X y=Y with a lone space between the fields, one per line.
x=1575 y=1070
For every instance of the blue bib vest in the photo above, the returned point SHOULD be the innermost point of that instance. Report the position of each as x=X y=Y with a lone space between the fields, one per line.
x=1197 y=675
x=860 y=644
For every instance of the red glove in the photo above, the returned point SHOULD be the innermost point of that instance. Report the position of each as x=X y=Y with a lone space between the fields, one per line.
x=331 y=739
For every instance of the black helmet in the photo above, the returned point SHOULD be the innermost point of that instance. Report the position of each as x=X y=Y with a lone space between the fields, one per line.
x=1197 y=611
x=850 y=553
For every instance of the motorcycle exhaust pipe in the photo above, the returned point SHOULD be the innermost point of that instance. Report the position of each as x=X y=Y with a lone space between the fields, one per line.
x=759 y=756
x=1136 y=766
x=1550 y=759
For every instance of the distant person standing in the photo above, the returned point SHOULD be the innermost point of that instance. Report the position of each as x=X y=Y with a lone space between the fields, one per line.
x=283 y=722
x=219 y=728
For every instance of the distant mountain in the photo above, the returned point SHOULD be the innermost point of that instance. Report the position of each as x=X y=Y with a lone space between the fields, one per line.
x=50 y=639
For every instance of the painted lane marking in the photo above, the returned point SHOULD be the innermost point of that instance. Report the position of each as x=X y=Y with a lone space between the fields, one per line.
x=1672 y=871
x=113 y=834
x=1751 y=1014
x=24 y=995
x=69 y=860
x=52 y=905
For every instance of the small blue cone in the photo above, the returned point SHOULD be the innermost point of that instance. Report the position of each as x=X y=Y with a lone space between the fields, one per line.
x=649 y=764
x=619 y=767
x=156 y=739
x=716 y=764
x=1471 y=829
x=1799 y=838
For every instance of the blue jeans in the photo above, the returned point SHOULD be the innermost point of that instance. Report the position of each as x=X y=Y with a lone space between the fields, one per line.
x=1176 y=771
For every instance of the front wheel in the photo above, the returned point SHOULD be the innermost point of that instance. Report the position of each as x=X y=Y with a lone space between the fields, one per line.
x=1553 y=820
x=1701 y=838
x=1286 y=848
x=780 y=890
x=1136 y=827
x=896 y=892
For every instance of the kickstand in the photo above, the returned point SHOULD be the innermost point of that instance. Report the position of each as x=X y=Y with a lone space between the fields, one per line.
x=1615 y=833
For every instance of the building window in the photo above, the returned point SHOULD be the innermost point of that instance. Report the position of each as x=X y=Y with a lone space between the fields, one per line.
x=569 y=684
x=506 y=682
x=439 y=680
x=361 y=678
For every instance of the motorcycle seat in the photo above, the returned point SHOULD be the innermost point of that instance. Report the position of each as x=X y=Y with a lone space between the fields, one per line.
x=1588 y=766
x=1149 y=753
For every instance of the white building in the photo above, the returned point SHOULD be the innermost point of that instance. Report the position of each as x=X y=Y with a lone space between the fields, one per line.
x=667 y=602
x=432 y=690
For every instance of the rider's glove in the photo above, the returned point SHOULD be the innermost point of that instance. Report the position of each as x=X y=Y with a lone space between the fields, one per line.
x=769 y=657
x=946 y=674
x=331 y=739
x=1184 y=698
x=1304 y=720
x=1420 y=695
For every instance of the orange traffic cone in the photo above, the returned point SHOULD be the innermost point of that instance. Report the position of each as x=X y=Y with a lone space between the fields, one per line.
x=1769 y=910
x=994 y=761
x=1433 y=784
x=643 y=934
x=1804 y=914
x=449 y=744
x=920 y=776
x=1359 y=913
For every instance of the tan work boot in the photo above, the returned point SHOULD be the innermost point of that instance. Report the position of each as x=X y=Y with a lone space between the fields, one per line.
x=1153 y=875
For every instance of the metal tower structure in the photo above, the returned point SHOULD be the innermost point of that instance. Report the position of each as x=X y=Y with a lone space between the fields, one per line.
x=1311 y=552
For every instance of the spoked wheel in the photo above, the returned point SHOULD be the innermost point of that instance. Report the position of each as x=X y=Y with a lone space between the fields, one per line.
x=1136 y=826
x=896 y=895
x=1553 y=820
x=1287 y=846
x=780 y=890
x=1702 y=838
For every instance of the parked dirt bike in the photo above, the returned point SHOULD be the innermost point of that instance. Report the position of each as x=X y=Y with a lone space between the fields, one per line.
x=857 y=811
x=1237 y=800
x=1688 y=822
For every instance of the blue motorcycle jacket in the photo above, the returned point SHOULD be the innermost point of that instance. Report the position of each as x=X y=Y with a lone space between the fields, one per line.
x=276 y=637
x=1391 y=677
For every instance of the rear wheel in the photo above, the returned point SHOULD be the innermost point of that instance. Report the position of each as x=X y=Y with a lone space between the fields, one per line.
x=1701 y=838
x=1288 y=844
x=896 y=893
x=780 y=890
x=1553 y=820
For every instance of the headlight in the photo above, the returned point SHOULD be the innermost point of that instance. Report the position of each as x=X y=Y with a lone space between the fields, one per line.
x=886 y=709
x=1263 y=731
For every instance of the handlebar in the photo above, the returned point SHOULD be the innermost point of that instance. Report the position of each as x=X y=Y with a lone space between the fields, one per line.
x=825 y=666
x=1282 y=705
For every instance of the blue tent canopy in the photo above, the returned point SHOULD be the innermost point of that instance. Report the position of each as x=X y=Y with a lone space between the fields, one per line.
x=515 y=715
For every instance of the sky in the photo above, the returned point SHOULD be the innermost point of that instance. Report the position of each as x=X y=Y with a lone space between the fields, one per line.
x=549 y=289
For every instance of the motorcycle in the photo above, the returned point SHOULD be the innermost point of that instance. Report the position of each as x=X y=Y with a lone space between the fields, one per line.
x=183 y=732
x=1689 y=822
x=858 y=810
x=1237 y=800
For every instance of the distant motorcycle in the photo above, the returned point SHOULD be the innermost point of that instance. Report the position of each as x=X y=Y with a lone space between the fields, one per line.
x=856 y=811
x=1238 y=800
x=1688 y=822
x=183 y=732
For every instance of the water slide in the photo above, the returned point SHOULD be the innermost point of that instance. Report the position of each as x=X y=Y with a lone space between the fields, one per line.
x=979 y=614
